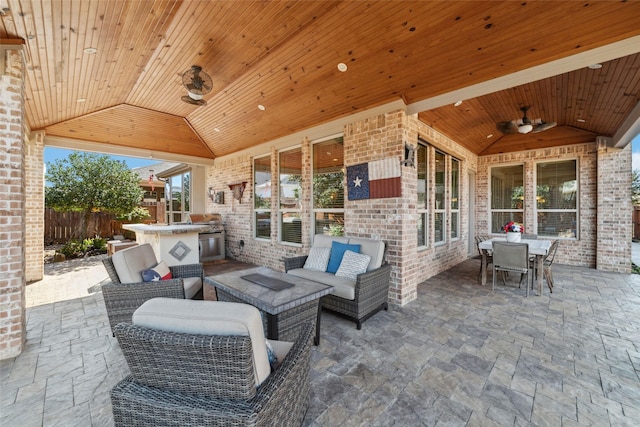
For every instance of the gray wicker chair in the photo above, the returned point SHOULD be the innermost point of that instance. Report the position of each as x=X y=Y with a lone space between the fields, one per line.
x=122 y=299
x=371 y=293
x=183 y=379
x=511 y=257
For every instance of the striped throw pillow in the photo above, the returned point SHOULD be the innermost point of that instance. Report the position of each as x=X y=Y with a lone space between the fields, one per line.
x=318 y=259
x=353 y=264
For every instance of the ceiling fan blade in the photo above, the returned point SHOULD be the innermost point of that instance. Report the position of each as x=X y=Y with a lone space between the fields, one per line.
x=543 y=126
x=507 y=127
x=190 y=100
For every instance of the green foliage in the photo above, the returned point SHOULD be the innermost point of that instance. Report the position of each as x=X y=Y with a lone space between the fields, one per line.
x=76 y=249
x=90 y=183
x=136 y=215
x=635 y=187
x=86 y=182
x=328 y=190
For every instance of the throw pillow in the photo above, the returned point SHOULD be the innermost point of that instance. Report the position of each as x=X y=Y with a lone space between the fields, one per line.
x=318 y=259
x=353 y=264
x=273 y=357
x=337 y=251
x=157 y=273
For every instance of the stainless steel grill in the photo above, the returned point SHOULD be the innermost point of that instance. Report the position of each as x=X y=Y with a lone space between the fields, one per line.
x=211 y=243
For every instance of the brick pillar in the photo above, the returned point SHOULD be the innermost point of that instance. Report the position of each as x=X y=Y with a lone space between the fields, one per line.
x=614 y=214
x=34 y=221
x=12 y=202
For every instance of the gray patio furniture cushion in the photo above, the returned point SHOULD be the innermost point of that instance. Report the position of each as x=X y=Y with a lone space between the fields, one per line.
x=209 y=318
x=342 y=286
x=373 y=248
x=129 y=264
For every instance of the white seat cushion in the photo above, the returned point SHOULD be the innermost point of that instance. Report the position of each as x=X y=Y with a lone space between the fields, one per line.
x=129 y=263
x=371 y=247
x=191 y=286
x=208 y=318
x=343 y=287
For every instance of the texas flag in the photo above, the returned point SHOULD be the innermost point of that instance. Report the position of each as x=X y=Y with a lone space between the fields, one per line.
x=378 y=179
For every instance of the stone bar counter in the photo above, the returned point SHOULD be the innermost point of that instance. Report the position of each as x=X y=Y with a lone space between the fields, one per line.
x=176 y=244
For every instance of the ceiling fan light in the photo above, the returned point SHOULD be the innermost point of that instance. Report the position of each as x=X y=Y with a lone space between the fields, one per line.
x=194 y=95
x=526 y=128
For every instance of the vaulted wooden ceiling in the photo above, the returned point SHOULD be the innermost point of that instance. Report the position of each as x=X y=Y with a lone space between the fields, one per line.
x=284 y=55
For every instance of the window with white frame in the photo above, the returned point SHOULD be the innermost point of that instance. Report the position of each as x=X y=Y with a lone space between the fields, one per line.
x=262 y=197
x=178 y=196
x=507 y=196
x=290 y=191
x=557 y=198
x=328 y=187
x=455 y=198
x=439 y=198
x=423 y=194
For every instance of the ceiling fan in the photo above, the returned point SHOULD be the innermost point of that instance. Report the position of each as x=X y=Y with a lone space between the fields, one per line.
x=198 y=83
x=524 y=125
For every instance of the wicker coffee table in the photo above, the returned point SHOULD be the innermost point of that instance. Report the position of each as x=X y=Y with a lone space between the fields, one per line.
x=285 y=311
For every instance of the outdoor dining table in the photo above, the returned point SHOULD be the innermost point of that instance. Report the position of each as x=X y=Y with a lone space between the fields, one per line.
x=539 y=248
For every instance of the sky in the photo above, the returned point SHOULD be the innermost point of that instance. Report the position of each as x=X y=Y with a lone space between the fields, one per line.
x=635 y=152
x=51 y=154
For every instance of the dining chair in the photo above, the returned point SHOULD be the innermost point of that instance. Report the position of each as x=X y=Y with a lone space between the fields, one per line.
x=511 y=257
x=489 y=254
x=548 y=260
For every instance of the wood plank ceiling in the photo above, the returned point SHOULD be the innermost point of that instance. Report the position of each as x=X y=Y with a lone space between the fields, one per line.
x=284 y=55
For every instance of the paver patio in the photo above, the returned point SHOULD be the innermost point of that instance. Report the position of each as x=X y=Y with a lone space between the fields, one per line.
x=458 y=355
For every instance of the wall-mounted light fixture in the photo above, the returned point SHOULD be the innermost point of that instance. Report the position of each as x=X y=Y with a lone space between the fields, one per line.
x=409 y=155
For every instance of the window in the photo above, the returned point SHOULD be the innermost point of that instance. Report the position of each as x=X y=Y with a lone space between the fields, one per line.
x=455 y=195
x=507 y=196
x=439 y=199
x=262 y=197
x=328 y=187
x=290 y=190
x=178 y=195
x=423 y=195
x=556 y=199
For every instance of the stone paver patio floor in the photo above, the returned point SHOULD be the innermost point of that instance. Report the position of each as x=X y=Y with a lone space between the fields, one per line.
x=458 y=355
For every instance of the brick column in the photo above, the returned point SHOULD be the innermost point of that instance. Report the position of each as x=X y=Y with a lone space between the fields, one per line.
x=12 y=202
x=34 y=221
x=614 y=214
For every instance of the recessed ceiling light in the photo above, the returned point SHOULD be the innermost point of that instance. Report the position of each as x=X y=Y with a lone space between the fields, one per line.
x=90 y=50
x=490 y=136
x=457 y=104
x=81 y=100
x=342 y=67
x=335 y=160
x=216 y=129
x=581 y=120
x=261 y=107
x=595 y=66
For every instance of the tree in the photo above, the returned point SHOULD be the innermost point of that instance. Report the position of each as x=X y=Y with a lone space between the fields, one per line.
x=635 y=187
x=87 y=183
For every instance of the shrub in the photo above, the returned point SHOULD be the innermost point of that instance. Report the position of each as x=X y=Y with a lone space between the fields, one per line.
x=76 y=249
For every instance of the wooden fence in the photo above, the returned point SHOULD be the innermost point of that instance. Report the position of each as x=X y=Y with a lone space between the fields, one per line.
x=636 y=223
x=60 y=227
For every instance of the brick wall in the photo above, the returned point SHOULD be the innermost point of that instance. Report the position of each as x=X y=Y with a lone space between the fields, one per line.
x=34 y=221
x=12 y=206
x=615 y=209
x=570 y=251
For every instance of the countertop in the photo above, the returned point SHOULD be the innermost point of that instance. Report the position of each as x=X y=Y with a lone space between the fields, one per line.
x=167 y=229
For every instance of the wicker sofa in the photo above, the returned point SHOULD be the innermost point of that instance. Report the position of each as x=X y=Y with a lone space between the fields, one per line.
x=356 y=299
x=205 y=364
x=127 y=291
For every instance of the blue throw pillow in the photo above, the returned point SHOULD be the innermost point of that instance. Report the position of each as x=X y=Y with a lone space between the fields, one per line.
x=337 y=251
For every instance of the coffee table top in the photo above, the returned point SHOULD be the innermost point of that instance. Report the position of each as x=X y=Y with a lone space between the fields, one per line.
x=265 y=299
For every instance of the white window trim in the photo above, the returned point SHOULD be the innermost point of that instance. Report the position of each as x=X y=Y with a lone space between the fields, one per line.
x=524 y=192
x=256 y=211
x=576 y=210
x=442 y=210
x=452 y=211
x=424 y=208
x=282 y=211
x=313 y=209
